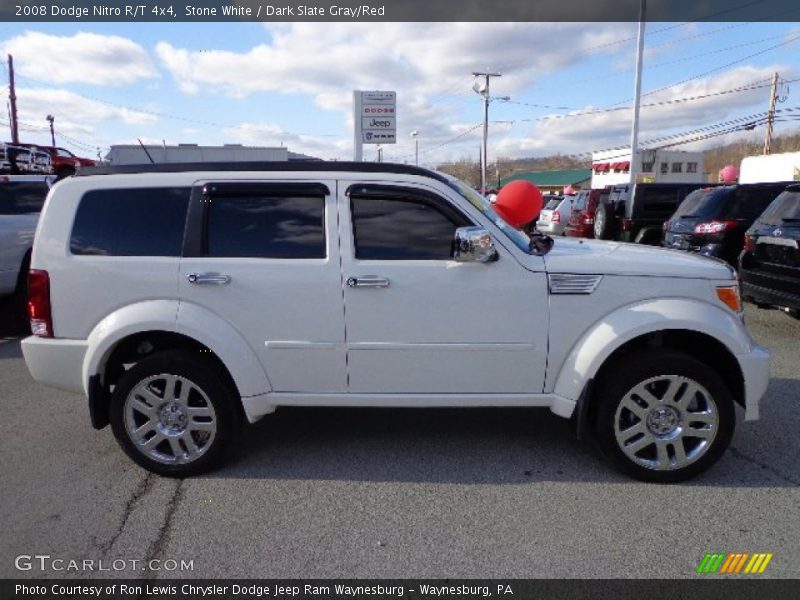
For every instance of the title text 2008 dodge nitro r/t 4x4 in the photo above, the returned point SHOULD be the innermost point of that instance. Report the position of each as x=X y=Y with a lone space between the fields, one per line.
x=184 y=300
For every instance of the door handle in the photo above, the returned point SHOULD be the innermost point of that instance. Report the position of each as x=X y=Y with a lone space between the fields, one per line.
x=208 y=278
x=367 y=281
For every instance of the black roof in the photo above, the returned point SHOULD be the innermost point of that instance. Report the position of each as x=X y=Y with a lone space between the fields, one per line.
x=338 y=166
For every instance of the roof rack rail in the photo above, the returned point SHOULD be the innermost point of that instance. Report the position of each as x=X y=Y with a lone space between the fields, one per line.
x=338 y=166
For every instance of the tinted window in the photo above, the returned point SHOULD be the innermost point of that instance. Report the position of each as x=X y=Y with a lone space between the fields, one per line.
x=131 y=222
x=659 y=200
x=785 y=208
x=703 y=203
x=401 y=230
x=266 y=227
x=553 y=203
x=19 y=198
x=580 y=201
x=748 y=203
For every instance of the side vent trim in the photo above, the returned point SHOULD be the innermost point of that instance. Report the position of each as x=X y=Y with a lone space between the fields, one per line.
x=561 y=283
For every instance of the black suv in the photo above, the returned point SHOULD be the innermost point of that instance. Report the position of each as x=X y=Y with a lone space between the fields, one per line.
x=639 y=217
x=712 y=221
x=769 y=267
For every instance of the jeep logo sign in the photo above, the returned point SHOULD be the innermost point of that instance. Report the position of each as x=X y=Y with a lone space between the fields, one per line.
x=375 y=118
x=378 y=123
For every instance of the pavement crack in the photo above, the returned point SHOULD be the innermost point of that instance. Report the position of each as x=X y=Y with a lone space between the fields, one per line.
x=141 y=490
x=156 y=549
x=741 y=455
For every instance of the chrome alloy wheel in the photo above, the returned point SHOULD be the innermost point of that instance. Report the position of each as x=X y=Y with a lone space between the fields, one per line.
x=170 y=419
x=666 y=422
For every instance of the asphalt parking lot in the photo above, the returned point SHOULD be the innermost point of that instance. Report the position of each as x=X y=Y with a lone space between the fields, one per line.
x=395 y=493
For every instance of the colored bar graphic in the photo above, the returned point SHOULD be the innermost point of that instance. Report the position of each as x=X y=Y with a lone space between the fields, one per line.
x=724 y=563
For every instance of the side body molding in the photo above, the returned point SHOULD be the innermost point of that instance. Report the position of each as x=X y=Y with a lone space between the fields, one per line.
x=183 y=318
x=629 y=322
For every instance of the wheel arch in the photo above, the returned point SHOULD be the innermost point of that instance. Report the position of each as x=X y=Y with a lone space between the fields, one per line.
x=138 y=330
x=696 y=328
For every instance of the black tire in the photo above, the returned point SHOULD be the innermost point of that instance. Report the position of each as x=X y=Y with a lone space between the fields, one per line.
x=614 y=393
x=20 y=301
x=603 y=222
x=203 y=377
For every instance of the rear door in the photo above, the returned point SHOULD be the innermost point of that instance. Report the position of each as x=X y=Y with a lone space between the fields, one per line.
x=418 y=322
x=265 y=257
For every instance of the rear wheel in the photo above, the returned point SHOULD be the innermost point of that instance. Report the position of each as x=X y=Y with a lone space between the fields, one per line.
x=174 y=414
x=663 y=417
x=602 y=222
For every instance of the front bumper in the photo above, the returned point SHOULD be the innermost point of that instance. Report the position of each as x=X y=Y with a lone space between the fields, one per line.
x=56 y=362
x=755 y=370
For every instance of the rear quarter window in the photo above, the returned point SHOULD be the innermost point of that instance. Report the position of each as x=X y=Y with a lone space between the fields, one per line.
x=130 y=222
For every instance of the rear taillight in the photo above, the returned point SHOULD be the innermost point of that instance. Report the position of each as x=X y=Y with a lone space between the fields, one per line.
x=714 y=226
x=39 y=303
x=556 y=218
x=626 y=224
x=749 y=243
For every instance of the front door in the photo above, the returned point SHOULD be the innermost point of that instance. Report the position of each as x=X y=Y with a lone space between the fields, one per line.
x=418 y=322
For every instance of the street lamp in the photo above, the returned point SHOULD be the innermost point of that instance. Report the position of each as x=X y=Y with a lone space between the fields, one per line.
x=415 y=135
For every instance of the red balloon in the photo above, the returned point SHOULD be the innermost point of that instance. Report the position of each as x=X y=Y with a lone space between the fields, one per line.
x=519 y=202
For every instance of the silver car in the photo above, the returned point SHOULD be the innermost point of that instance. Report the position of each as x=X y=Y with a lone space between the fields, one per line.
x=555 y=215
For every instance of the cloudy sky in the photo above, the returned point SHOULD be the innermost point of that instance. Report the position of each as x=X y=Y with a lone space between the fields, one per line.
x=291 y=84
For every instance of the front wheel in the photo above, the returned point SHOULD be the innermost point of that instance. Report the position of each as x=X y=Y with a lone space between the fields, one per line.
x=663 y=417
x=174 y=414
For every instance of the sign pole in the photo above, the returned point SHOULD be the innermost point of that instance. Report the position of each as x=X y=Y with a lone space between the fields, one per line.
x=358 y=139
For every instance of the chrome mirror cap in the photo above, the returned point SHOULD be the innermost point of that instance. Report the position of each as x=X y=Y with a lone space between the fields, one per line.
x=474 y=244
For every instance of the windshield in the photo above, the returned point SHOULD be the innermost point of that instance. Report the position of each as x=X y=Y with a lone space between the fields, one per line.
x=521 y=241
x=701 y=203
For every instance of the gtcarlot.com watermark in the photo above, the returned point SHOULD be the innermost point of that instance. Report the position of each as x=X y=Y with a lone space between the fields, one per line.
x=57 y=564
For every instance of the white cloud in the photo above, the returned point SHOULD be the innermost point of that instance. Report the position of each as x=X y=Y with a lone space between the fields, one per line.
x=81 y=58
x=75 y=115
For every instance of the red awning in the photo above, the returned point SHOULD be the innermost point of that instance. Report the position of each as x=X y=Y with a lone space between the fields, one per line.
x=600 y=167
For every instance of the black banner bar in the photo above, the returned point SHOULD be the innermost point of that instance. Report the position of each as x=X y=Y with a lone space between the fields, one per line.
x=705 y=587
x=170 y=11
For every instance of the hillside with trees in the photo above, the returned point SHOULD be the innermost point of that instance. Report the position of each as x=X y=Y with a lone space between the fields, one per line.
x=715 y=158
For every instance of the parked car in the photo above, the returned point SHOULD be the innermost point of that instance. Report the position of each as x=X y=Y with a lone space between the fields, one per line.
x=639 y=217
x=712 y=221
x=21 y=160
x=555 y=214
x=769 y=266
x=581 y=221
x=21 y=200
x=185 y=299
x=63 y=162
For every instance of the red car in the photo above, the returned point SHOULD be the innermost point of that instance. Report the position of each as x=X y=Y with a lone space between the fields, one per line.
x=581 y=221
x=63 y=161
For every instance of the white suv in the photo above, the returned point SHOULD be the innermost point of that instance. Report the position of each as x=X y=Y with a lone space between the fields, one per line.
x=184 y=300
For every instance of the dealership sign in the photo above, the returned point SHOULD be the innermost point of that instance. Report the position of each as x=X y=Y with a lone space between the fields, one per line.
x=375 y=118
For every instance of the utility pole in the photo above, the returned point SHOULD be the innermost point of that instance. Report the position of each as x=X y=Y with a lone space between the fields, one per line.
x=12 y=97
x=484 y=91
x=51 y=118
x=637 y=98
x=773 y=97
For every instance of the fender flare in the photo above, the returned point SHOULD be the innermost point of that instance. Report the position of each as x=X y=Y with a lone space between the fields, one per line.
x=629 y=322
x=177 y=317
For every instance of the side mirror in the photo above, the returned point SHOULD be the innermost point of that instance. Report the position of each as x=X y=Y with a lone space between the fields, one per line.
x=474 y=244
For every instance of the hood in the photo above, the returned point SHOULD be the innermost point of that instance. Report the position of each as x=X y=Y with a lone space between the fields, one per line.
x=576 y=255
